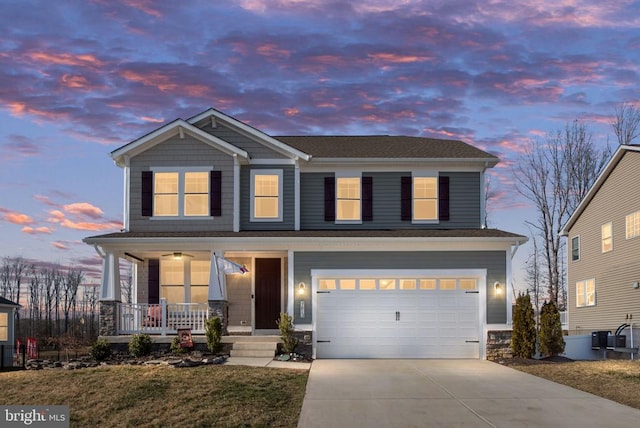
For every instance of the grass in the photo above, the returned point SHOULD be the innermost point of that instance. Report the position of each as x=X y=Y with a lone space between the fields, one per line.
x=140 y=396
x=616 y=380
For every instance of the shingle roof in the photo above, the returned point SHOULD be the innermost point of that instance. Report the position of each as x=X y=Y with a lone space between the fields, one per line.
x=385 y=233
x=7 y=302
x=383 y=146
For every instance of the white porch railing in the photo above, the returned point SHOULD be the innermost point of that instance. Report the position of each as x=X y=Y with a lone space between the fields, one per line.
x=164 y=318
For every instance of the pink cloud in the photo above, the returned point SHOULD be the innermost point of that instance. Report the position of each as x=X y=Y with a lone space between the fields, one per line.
x=84 y=209
x=38 y=230
x=16 y=217
x=82 y=60
x=59 y=245
x=399 y=58
x=144 y=6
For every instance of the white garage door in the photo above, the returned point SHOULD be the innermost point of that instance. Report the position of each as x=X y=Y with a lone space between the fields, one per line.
x=397 y=317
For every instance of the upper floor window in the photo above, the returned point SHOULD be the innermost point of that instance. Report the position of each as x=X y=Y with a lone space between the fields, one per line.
x=181 y=194
x=348 y=198
x=425 y=198
x=633 y=225
x=266 y=195
x=189 y=192
x=575 y=248
x=607 y=237
x=586 y=293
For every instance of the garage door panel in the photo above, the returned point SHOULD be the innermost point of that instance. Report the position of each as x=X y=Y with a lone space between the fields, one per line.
x=431 y=324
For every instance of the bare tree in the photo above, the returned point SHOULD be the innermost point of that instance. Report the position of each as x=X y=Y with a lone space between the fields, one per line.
x=126 y=285
x=5 y=277
x=488 y=194
x=70 y=285
x=555 y=176
x=626 y=123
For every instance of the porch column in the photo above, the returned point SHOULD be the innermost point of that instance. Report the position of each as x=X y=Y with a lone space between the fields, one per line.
x=217 y=296
x=109 y=295
x=110 y=287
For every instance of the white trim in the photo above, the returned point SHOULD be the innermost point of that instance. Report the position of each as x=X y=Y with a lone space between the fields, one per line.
x=236 y=194
x=276 y=162
x=508 y=286
x=290 y=283
x=483 y=207
x=257 y=172
x=126 y=206
x=173 y=128
x=390 y=165
x=250 y=132
x=296 y=196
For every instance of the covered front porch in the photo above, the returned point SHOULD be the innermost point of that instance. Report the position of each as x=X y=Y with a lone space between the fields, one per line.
x=174 y=290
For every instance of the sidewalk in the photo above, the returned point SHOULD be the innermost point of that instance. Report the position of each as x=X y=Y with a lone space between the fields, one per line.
x=267 y=362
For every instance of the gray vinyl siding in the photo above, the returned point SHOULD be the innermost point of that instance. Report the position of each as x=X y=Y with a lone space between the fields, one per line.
x=464 y=202
x=256 y=150
x=615 y=271
x=288 y=202
x=493 y=261
x=178 y=153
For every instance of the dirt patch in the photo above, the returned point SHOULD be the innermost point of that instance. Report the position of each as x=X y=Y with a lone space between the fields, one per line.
x=616 y=380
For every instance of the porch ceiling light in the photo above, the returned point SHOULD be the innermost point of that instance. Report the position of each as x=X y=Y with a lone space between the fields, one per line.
x=177 y=255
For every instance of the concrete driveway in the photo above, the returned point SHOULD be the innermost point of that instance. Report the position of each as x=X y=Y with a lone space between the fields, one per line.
x=448 y=393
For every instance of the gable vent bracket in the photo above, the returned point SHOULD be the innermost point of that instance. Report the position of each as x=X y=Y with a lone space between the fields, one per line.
x=181 y=132
x=214 y=125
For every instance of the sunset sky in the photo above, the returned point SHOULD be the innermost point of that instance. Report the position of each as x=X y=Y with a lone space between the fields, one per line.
x=79 y=78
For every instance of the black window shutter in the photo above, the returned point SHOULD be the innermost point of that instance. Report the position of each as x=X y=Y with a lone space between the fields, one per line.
x=406 y=199
x=443 y=198
x=367 y=198
x=147 y=194
x=215 y=193
x=329 y=199
x=154 y=281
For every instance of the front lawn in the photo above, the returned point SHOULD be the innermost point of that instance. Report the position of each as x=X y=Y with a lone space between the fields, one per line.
x=141 y=396
x=617 y=380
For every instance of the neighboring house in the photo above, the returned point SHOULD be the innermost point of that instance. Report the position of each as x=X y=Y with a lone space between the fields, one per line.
x=374 y=244
x=7 y=331
x=603 y=249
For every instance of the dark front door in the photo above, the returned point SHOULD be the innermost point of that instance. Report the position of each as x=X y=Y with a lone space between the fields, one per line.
x=267 y=301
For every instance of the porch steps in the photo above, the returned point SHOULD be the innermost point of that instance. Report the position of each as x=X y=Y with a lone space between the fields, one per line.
x=253 y=346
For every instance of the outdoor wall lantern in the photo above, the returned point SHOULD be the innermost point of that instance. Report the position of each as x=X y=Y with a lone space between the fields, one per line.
x=301 y=288
x=498 y=288
x=177 y=256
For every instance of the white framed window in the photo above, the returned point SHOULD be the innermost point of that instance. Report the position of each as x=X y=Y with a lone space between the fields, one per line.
x=586 y=293
x=180 y=193
x=184 y=280
x=633 y=225
x=4 y=326
x=425 y=198
x=575 y=248
x=266 y=194
x=348 y=199
x=607 y=237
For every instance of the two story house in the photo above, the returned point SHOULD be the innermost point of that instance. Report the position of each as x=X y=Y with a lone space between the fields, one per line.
x=374 y=244
x=604 y=250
